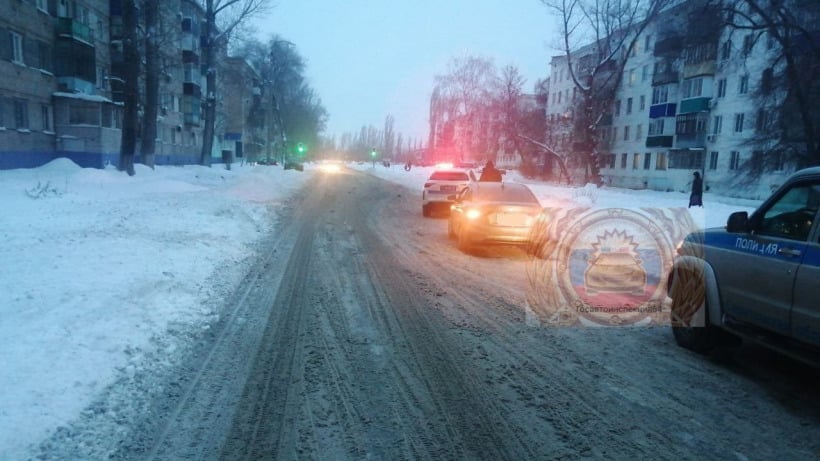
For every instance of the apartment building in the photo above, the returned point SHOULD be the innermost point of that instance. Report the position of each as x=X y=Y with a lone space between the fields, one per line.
x=686 y=102
x=61 y=76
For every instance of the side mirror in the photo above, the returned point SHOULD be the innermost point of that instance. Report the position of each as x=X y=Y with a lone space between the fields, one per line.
x=737 y=222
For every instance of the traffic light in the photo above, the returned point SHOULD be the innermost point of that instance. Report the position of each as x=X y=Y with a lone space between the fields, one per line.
x=300 y=148
x=373 y=152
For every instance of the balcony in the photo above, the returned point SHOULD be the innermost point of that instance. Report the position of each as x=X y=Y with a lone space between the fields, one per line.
x=659 y=141
x=702 y=68
x=191 y=89
x=67 y=27
x=662 y=78
x=662 y=110
x=668 y=46
x=690 y=141
x=691 y=105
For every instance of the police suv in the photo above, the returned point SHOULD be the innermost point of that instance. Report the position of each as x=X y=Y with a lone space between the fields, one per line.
x=758 y=278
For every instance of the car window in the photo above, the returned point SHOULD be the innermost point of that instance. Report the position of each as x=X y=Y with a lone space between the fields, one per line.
x=449 y=176
x=793 y=214
x=507 y=194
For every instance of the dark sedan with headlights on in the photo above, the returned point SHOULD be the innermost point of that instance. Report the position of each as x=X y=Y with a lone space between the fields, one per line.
x=492 y=213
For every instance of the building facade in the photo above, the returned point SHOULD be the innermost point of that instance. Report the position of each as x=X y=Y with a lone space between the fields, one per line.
x=61 y=83
x=689 y=100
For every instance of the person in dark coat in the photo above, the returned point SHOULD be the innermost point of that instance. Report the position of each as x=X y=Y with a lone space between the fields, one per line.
x=696 y=199
x=490 y=173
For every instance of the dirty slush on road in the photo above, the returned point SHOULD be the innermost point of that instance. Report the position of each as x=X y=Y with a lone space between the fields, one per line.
x=362 y=333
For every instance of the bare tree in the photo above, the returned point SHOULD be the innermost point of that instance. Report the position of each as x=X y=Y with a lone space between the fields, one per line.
x=509 y=109
x=151 y=77
x=222 y=17
x=787 y=122
x=462 y=101
x=597 y=36
x=131 y=76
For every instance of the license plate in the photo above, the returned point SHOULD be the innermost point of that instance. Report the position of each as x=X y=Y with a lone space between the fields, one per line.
x=448 y=188
x=511 y=219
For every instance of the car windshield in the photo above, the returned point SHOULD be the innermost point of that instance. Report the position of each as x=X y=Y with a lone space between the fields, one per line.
x=449 y=176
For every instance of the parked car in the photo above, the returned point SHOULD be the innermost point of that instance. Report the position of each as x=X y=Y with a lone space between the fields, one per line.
x=757 y=279
x=441 y=184
x=487 y=213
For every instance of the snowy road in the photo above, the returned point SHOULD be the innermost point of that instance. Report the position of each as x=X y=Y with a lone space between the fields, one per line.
x=363 y=333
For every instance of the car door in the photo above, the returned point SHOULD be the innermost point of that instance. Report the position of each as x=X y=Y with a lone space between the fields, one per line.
x=805 y=321
x=757 y=274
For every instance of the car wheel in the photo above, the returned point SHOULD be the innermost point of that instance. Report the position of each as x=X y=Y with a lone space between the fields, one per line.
x=451 y=233
x=688 y=304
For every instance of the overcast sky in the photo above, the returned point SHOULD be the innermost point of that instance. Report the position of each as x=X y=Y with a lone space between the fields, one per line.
x=369 y=58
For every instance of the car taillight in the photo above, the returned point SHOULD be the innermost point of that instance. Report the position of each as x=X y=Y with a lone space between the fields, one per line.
x=428 y=184
x=473 y=213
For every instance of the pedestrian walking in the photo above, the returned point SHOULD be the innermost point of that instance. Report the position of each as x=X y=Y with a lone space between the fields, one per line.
x=696 y=198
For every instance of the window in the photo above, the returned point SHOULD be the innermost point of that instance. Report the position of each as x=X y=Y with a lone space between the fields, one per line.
x=628 y=106
x=638 y=132
x=626 y=133
x=2 y=112
x=791 y=216
x=656 y=127
x=642 y=103
x=633 y=77
x=84 y=113
x=739 y=123
x=645 y=73
x=748 y=44
x=713 y=160
x=766 y=79
x=691 y=88
x=721 y=88
x=743 y=87
x=623 y=160
x=764 y=119
x=647 y=161
x=636 y=161
x=647 y=40
x=660 y=161
x=618 y=107
x=16 y=48
x=660 y=94
x=686 y=159
x=20 y=114
x=717 y=124
x=42 y=5
x=107 y=115
x=45 y=115
x=43 y=56
x=734 y=160
x=726 y=50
